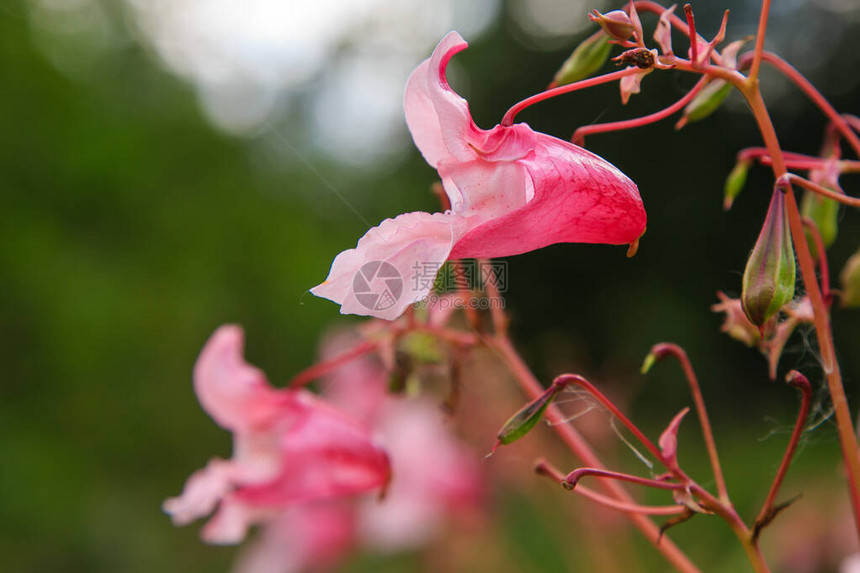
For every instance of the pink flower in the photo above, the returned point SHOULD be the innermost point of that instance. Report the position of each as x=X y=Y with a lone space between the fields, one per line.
x=434 y=477
x=289 y=447
x=511 y=189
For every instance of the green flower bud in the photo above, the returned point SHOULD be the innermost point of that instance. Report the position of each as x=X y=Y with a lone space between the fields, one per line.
x=735 y=183
x=850 y=279
x=587 y=58
x=825 y=213
x=520 y=423
x=706 y=102
x=769 y=277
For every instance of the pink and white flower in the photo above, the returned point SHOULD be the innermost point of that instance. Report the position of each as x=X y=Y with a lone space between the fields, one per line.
x=434 y=478
x=289 y=447
x=511 y=189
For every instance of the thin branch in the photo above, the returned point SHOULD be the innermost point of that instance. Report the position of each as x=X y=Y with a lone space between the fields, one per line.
x=508 y=119
x=821 y=190
x=759 y=43
x=658 y=352
x=544 y=468
x=576 y=380
x=322 y=368
x=841 y=123
x=573 y=478
x=620 y=497
x=580 y=134
x=799 y=381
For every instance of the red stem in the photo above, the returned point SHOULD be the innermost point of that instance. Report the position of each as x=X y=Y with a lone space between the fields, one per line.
x=817 y=98
x=580 y=134
x=660 y=350
x=823 y=268
x=752 y=79
x=581 y=449
x=544 y=468
x=694 y=41
x=573 y=478
x=576 y=380
x=311 y=373
x=821 y=190
x=800 y=382
x=844 y=423
x=508 y=119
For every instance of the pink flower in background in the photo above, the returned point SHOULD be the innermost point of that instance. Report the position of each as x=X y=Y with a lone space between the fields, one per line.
x=511 y=189
x=434 y=477
x=289 y=447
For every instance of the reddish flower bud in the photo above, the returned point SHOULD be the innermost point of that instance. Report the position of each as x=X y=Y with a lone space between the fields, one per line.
x=769 y=277
x=615 y=23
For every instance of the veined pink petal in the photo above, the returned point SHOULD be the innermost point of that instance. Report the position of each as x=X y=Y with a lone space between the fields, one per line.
x=481 y=191
x=578 y=198
x=407 y=245
x=236 y=394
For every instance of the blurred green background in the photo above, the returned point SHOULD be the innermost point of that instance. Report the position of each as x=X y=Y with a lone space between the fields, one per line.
x=131 y=226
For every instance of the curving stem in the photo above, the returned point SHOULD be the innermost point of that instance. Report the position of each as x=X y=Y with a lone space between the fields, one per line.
x=768 y=510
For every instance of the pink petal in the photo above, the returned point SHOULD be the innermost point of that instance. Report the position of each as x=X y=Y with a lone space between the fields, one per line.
x=481 y=190
x=669 y=439
x=202 y=492
x=361 y=285
x=231 y=522
x=324 y=454
x=631 y=85
x=435 y=114
x=236 y=394
x=578 y=198
x=663 y=31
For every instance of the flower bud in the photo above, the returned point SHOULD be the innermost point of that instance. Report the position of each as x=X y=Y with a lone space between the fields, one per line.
x=706 y=102
x=587 y=58
x=824 y=212
x=768 y=282
x=615 y=23
x=735 y=183
x=850 y=279
x=520 y=423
